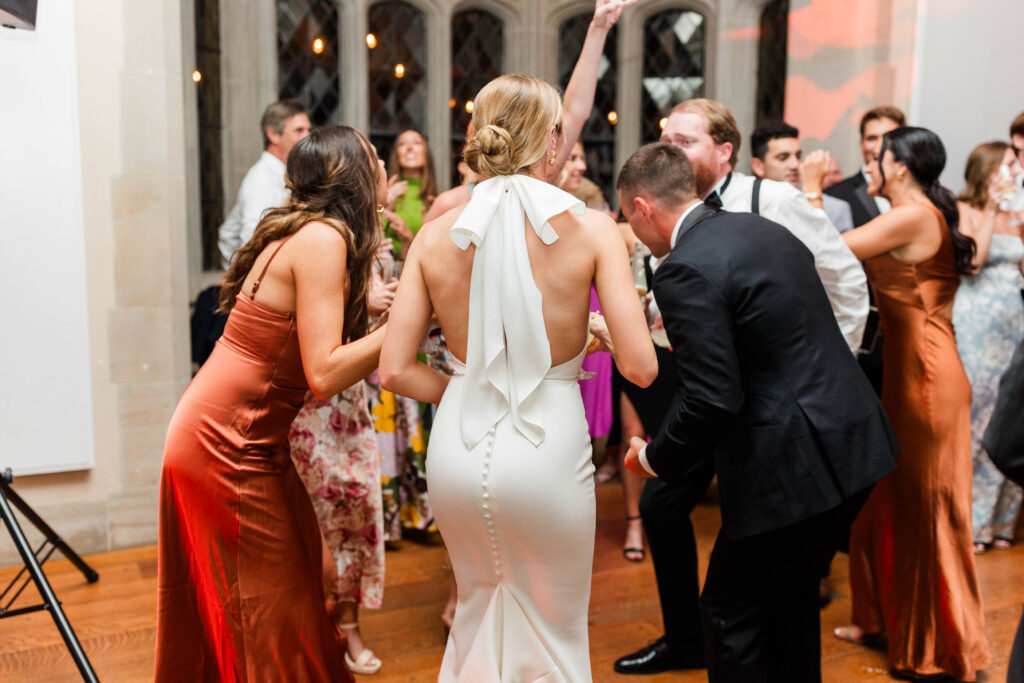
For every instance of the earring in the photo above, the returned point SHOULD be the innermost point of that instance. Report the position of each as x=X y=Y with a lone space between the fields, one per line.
x=551 y=159
x=380 y=208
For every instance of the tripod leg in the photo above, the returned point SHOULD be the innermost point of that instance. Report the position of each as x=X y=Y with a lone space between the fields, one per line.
x=90 y=574
x=43 y=585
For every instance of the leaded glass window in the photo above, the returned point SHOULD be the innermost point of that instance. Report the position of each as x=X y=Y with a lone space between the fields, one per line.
x=397 y=45
x=674 y=59
x=598 y=135
x=771 y=62
x=207 y=79
x=307 y=56
x=478 y=50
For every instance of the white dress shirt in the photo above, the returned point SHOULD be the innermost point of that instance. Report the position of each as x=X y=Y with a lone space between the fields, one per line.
x=839 y=270
x=262 y=188
x=838 y=212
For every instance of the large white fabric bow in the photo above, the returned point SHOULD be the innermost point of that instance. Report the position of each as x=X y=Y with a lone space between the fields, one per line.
x=507 y=353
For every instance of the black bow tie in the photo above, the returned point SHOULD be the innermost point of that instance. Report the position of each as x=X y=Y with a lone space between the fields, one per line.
x=714 y=200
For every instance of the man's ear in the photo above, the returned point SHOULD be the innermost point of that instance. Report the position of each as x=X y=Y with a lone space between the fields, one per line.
x=725 y=151
x=272 y=135
x=644 y=207
x=757 y=166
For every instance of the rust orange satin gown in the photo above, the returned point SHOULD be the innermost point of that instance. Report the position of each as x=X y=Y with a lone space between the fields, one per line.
x=240 y=553
x=911 y=559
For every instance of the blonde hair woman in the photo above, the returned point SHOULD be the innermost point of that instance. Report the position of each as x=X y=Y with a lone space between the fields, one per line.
x=508 y=276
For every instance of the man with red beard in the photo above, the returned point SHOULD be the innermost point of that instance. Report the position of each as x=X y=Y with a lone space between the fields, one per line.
x=707 y=132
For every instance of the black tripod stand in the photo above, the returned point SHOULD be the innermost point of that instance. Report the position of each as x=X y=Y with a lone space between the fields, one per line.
x=33 y=561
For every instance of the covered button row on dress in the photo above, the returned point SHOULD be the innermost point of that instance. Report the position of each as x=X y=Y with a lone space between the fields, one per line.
x=486 y=504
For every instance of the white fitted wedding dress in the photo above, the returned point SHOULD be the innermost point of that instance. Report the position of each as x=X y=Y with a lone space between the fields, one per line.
x=508 y=466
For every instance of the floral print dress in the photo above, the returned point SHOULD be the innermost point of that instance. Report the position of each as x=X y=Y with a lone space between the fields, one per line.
x=988 y=317
x=335 y=452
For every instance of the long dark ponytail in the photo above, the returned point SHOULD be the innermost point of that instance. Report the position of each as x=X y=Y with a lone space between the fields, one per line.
x=924 y=155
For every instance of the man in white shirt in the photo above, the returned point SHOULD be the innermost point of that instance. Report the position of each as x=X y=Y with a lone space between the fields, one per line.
x=775 y=154
x=708 y=134
x=284 y=123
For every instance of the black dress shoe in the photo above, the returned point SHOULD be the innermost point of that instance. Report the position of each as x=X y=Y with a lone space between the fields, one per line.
x=658 y=657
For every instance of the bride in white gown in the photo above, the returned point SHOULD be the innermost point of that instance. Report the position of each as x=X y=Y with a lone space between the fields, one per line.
x=508 y=466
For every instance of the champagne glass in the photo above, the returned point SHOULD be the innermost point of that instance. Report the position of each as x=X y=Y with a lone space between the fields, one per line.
x=636 y=264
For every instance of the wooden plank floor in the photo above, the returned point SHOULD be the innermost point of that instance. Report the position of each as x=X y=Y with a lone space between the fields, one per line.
x=115 y=618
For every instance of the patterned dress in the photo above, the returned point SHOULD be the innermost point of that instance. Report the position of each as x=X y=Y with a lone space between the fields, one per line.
x=335 y=453
x=402 y=440
x=402 y=426
x=988 y=317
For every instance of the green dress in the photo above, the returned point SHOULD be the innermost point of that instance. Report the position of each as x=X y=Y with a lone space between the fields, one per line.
x=409 y=207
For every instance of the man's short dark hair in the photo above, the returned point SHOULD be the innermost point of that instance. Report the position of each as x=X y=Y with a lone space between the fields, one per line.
x=766 y=132
x=276 y=114
x=1017 y=127
x=661 y=172
x=883 y=112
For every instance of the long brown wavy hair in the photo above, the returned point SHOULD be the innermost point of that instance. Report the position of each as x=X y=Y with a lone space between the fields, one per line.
x=334 y=179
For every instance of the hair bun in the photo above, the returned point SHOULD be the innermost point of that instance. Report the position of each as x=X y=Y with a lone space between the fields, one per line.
x=491 y=152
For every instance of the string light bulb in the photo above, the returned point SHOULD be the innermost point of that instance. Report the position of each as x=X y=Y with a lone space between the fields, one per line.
x=399 y=70
x=663 y=122
x=197 y=76
x=469 y=106
x=318 y=46
x=451 y=103
x=613 y=117
x=371 y=41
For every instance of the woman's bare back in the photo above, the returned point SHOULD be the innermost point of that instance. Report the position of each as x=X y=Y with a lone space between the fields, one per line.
x=562 y=272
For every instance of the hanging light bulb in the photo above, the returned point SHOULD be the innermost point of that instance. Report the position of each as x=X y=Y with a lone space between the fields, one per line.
x=371 y=41
x=318 y=46
x=663 y=122
x=197 y=76
x=613 y=117
x=399 y=70
x=469 y=106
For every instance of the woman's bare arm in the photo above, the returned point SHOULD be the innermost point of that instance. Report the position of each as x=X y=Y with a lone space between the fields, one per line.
x=632 y=347
x=579 y=92
x=320 y=274
x=897 y=229
x=400 y=372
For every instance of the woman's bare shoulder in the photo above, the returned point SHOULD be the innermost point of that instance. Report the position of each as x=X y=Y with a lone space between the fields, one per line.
x=317 y=238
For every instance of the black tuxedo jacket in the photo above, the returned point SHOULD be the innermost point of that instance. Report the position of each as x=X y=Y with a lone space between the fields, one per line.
x=854 y=191
x=768 y=388
x=1004 y=438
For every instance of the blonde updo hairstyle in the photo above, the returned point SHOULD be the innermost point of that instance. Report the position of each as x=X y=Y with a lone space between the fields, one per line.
x=511 y=119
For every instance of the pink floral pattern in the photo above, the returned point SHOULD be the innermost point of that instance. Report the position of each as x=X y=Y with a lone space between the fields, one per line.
x=335 y=453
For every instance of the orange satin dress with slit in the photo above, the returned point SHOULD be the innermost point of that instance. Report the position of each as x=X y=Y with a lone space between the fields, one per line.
x=241 y=562
x=912 y=568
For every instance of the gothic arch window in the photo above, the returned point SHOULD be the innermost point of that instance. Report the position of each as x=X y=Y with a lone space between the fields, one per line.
x=397 y=45
x=307 y=56
x=478 y=53
x=598 y=135
x=675 y=54
x=771 y=62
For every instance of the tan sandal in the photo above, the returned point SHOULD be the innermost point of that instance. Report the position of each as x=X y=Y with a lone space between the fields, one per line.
x=365 y=662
